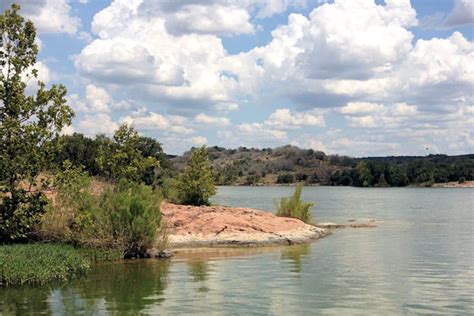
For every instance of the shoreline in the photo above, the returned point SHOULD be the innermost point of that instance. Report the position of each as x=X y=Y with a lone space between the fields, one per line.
x=440 y=185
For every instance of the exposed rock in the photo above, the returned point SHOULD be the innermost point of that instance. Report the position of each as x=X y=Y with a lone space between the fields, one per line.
x=216 y=226
x=155 y=253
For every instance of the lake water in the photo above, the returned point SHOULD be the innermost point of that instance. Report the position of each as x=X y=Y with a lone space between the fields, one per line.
x=420 y=260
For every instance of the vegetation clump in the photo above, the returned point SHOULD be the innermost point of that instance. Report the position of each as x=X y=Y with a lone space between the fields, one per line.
x=41 y=263
x=125 y=216
x=295 y=208
x=195 y=184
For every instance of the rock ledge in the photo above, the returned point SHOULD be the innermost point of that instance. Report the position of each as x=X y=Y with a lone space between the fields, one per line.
x=219 y=226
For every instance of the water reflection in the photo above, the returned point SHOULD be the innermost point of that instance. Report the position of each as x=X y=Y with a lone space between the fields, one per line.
x=294 y=255
x=23 y=300
x=125 y=287
x=199 y=270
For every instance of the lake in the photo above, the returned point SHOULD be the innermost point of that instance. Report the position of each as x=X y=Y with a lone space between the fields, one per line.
x=420 y=260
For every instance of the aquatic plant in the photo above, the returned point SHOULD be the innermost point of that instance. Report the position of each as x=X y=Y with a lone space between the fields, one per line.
x=294 y=207
x=39 y=263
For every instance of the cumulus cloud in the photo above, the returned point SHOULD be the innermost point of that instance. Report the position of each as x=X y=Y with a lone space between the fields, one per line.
x=149 y=121
x=462 y=13
x=211 y=120
x=284 y=118
x=95 y=124
x=354 y=61
x=49 y=16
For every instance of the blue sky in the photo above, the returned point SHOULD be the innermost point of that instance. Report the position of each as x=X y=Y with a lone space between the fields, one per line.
x=354 y=77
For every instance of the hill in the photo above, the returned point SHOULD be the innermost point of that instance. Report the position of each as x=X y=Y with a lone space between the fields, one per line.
x=290 y=164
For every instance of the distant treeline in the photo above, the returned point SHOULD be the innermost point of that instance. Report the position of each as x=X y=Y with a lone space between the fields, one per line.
x=281 y=165
x=290 y=164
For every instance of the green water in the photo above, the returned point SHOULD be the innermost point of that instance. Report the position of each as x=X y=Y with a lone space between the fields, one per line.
x=420 y=260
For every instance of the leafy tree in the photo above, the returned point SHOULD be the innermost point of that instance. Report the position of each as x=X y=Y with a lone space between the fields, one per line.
x=382 y=182
x=364 y=176
x=196 y=183
x=29 y=125
x=122 y=158
x=80 y=150
x=397 y=176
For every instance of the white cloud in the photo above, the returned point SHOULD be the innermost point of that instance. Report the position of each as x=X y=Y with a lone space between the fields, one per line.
x=94 y=124
x=462 y=13
x=260 y=131
x=67 y=130
x=356 y=59
x=284 y=118
x=198 y=140
x=49 y=16
x=97 y=99
x=150 y=121
x=355 y=108
x=211 y=120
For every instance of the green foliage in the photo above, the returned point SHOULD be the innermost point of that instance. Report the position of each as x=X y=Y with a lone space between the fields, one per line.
x=195 y=184
x=70 y=215
x=294 y=207
x=382 y=182
x=19 y=214
x=125 y=217
x=29 y=124
x=285 y=178
x=364 y=178
x=122 y=158
x=40 y=263
x=133 y=216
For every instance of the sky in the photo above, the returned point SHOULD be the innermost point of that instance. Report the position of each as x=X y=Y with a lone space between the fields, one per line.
x=351 y=77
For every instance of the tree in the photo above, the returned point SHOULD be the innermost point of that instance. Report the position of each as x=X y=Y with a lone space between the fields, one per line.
x=122 y=158
x=364 y=176
x=195 y=184
x=29 y=126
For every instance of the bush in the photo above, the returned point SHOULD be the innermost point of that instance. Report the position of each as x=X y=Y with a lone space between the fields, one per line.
x=41 y=263
x=294 y=207
x=462 y=180
x=285 y=178
x=19 y=212
x=132 y=215
x=69 y=216
x=126 y=217
x=195 y=184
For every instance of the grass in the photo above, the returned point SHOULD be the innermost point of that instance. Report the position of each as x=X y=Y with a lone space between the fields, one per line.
x=39 y=263
x=294 y=207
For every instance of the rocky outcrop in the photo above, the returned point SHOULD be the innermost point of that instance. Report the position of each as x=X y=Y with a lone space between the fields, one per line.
x=216 y=226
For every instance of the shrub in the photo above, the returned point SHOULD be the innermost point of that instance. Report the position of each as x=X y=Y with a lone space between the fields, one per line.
x=126 y=217
x=132 y=215
x=69 y=216
x=195 y=184
x=19 y=212
x=462 y=180
x=294 y=207
x=285 y=178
